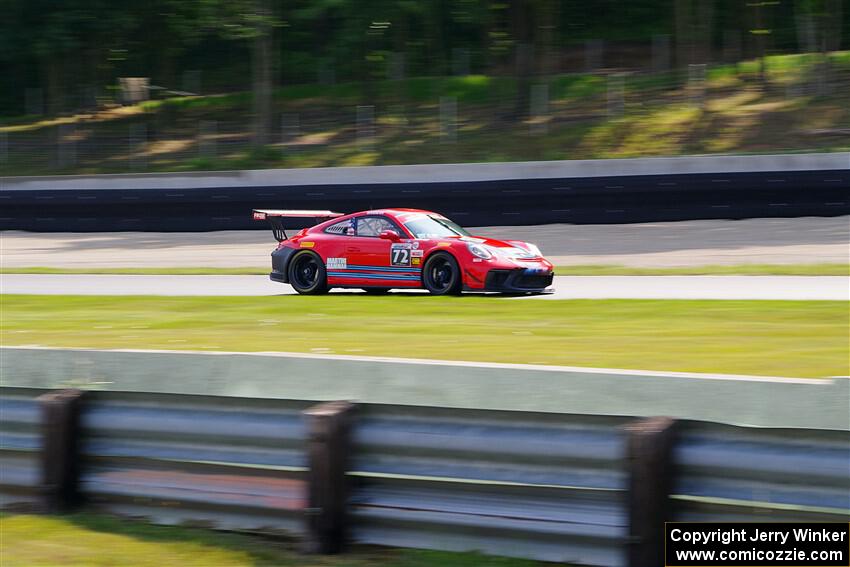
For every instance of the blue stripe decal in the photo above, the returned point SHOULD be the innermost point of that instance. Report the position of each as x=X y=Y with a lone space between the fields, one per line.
x=376 y=276
x=357 y=275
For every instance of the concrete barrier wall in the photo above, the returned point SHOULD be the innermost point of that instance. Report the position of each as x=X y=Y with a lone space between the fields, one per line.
x=739 y=400
x=584 y=191
x=437 y=173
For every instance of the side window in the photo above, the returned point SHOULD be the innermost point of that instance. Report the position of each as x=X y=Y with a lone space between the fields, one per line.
x=345 y=227
x=373 y=226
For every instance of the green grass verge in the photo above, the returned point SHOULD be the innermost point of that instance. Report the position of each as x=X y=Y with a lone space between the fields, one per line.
x=779 y=338
x=574 y=270
x=87 y=540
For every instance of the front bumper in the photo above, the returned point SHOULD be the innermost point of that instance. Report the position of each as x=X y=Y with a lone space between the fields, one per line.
x=518 y=280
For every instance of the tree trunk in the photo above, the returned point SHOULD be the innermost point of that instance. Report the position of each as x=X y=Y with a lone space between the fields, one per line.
x=524 y=55
x=486 y=29
x=806 y=32
x=262 y=75
x=437 y=49
x=706 y=27
x=53 y=81
x=682 y=15
x=832 y=27
x=545 y=24
x=760 y=44
x=831 y=41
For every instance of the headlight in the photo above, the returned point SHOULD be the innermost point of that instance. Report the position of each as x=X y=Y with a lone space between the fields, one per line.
x=479 y=251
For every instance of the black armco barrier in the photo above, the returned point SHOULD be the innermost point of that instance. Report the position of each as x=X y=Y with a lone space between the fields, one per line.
x=582 y=200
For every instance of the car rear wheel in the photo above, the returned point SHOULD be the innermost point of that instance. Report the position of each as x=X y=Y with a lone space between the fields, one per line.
x=307 y=273
x=441 y=275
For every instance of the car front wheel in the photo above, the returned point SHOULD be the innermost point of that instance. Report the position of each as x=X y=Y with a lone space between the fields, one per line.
x=441 y=275
x=307 y=273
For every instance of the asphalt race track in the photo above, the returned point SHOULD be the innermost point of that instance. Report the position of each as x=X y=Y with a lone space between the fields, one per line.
x=662 y=244
x=566 y=287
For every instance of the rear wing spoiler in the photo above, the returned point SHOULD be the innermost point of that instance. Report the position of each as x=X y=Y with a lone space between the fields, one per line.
x=275 y=218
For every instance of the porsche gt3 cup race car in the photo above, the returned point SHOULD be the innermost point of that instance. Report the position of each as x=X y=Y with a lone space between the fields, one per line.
x=399 y=248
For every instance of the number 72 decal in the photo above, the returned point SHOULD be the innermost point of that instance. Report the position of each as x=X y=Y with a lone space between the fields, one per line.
x=400 y=254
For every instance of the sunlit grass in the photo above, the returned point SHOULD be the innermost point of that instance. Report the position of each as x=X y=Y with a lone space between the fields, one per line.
x=656 y=132
x=734 y=100
x=781 y=338
x=40 y=122
x=84 y=540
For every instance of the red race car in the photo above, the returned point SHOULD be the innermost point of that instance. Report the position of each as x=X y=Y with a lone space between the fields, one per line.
x=400 y=248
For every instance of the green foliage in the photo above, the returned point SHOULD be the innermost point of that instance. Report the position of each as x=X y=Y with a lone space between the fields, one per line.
x=339 y=91
x=201 y=164
x=738 y=116
x=214 y=102
x=578 y=86
x=60 y=46
x=263 y=154
x=470 y=89
x=86 y=539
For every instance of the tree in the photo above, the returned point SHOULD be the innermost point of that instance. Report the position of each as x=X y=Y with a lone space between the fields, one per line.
x=253 y=21
x=694 y=30
x=262 y=73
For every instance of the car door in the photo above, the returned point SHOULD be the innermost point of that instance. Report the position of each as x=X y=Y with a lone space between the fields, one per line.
x=377 y=260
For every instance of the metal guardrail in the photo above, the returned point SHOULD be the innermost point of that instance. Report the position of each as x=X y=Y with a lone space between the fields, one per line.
x=20 y=448
x=740 y=474
x=544 y=486
x=535 y=485
x=239 y=464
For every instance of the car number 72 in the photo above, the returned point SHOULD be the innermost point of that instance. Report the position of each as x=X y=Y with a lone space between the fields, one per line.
x=400 y=256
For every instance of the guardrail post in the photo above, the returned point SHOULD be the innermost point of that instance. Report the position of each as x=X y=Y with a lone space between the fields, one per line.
x=60 y=454
x=649 y=448
x=328 y=450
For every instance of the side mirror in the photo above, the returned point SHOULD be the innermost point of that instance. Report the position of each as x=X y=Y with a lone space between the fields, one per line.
x=390 y=235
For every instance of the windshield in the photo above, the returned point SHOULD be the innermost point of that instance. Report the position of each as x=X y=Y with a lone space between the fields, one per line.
x=432 y=227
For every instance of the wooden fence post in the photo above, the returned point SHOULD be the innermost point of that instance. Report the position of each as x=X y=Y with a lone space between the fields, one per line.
x=329 y=447
x=60 y=454
x=649 y=449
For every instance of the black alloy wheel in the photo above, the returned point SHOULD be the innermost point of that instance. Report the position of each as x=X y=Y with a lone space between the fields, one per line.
x=307 y=273
x=441 y=275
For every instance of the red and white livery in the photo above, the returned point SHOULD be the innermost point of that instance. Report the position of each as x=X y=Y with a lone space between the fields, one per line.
x=400 y=248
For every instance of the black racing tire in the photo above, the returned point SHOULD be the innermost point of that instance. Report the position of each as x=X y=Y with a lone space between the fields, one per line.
x=307 y=274
x=441 y=275
x=376 y=290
